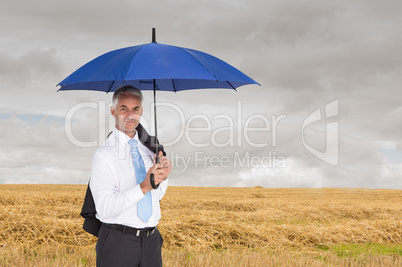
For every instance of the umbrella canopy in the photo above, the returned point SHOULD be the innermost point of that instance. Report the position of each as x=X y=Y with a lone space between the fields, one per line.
x=155 y=66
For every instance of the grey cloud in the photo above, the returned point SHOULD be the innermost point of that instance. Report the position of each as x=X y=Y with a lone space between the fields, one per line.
x=41 y=149
x=33 y=65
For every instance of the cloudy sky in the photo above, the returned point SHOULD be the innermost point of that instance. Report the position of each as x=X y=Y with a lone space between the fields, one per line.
x=328 y=112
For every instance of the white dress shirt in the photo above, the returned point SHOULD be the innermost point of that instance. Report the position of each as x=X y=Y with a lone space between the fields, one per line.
x=114 y=186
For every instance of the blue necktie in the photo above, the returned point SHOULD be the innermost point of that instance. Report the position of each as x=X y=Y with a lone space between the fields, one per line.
x=144 y=206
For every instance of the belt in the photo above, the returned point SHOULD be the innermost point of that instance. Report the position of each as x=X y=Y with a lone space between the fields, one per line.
x=130 y=230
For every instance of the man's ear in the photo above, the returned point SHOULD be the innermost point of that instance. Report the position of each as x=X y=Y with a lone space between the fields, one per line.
x=113 y=111
x=142 y=109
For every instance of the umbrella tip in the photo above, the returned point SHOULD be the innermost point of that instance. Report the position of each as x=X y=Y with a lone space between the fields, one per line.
x=153 y=35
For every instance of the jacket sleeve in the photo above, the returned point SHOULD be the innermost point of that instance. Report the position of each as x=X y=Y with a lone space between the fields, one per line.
x=88 y=208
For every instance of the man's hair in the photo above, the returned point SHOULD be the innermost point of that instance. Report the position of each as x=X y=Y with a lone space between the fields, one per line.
x=126 y=90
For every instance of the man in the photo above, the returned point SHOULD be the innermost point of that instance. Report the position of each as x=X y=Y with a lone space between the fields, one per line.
x=125 y=201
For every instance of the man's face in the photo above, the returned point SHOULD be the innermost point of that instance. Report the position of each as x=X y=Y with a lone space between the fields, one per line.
x=127 y=113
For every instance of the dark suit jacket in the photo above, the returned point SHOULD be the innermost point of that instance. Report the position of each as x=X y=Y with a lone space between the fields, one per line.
x=91 y=223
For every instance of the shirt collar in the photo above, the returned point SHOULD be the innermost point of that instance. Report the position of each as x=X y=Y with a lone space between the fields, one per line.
x=124 y=138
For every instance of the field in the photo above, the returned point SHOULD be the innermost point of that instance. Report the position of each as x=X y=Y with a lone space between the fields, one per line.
x=40 y=226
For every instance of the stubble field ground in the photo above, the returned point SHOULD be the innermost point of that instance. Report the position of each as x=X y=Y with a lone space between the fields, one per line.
x=40 y=226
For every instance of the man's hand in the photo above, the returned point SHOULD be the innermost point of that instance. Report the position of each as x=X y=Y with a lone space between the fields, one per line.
x=160 y=170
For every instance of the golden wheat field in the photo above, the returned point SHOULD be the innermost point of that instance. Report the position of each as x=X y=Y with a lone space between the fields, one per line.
x=40 y=226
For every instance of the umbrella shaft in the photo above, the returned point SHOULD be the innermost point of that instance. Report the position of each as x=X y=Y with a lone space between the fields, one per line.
x=156 y=127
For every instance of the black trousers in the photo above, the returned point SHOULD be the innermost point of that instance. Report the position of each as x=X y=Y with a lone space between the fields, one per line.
x=115 y=248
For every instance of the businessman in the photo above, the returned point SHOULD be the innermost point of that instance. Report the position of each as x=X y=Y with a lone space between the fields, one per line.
x=123 y=189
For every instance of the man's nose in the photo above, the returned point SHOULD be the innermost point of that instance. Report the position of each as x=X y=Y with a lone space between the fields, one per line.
x=131 y=113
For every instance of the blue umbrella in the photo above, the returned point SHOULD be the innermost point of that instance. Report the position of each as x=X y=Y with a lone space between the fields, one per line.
x=156 y=67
